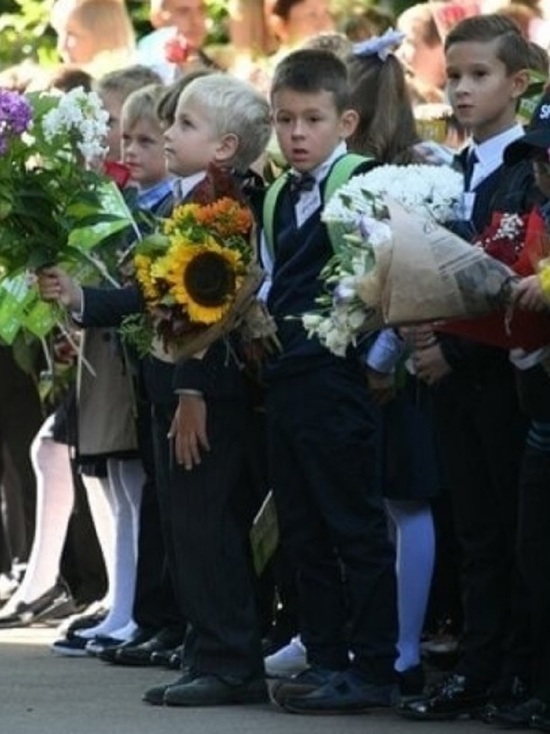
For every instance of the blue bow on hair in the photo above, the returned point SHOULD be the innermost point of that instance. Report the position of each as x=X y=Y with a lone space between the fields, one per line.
x=381 y=46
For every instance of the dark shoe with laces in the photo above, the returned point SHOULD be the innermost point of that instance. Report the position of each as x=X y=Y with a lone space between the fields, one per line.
x=455 y=696
x=211 y=690
x=346 y=693
x=520 y=715
x=300 y=684
x=155 y=695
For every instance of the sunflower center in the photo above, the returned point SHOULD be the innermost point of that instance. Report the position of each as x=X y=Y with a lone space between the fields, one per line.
x=209 y=279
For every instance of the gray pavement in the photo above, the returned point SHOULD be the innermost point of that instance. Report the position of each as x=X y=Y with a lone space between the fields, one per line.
x=41 y=693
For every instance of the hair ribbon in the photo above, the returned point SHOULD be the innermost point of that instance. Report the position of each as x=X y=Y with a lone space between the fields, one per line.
x=381 y=46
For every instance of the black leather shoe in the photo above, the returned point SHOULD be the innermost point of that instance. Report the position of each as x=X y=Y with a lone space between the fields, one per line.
x=155 y=695
x=110 y=654
x=140 y=654
x=455 y=696
x=209 y=690
x=346 y=693
x=55 y=603
x=174 y=663
x=520 y=716
x=164 y=658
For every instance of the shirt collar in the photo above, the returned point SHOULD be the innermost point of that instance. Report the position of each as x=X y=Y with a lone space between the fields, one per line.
x=490 y=153
x=320 y=173
x=182 y=187
x=150 y=197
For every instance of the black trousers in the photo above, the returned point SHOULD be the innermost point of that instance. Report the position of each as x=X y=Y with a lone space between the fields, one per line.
x=155 y=605
x=325 y=472
x=534 y=520
x=20 y=418
x=206 y=533
x=482 y=435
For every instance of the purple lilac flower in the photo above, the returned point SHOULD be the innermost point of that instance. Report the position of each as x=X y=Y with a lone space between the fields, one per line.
x=15 y=116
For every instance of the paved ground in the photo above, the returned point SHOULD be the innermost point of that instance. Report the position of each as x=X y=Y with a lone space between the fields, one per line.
x=41 y=693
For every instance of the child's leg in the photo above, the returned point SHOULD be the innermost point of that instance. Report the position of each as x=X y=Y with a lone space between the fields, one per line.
x=415 y=546
x=54 y=503
x=210 y=544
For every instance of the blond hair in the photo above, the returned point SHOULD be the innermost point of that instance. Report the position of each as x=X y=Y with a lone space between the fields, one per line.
x=127 y=80
x=142 y=105
x=236 y=108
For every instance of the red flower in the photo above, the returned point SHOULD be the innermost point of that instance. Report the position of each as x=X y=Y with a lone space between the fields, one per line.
x=176 y=49
x=518 y=240
x=118 y=172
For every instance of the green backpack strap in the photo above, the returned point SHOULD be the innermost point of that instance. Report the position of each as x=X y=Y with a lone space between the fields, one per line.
x=270 y=202
x=340 y=173
x=342 y=170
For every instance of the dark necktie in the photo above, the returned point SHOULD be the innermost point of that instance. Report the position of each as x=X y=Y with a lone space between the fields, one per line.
x=471 y=160
x=300 y=182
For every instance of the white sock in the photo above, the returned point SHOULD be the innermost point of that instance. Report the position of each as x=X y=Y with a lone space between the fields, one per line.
x=126 y=478
x=54 y=504
x=124 y=633
x=102 y=506
x=415 y=554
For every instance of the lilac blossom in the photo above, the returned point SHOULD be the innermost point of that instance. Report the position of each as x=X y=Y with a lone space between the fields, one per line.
x=15 y=116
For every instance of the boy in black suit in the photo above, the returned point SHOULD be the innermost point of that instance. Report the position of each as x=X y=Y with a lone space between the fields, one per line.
x=481 y=430
x=202 y=405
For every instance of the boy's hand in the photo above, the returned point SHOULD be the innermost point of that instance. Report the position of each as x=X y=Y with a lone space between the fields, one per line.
x=430 y=364
x=189 y=430
x=528 y=294
x=55 y=285
x=381 y=386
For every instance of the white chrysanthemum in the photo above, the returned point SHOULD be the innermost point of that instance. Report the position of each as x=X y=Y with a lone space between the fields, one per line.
x=430 y=190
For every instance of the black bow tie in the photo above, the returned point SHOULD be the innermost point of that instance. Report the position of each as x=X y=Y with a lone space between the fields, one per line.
x=301 y=182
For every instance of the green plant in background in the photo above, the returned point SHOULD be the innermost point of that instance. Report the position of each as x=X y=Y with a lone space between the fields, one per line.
x=25 y=33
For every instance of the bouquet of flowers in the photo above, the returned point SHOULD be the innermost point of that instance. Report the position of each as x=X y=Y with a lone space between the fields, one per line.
x=358 y=220
x=55 y=203
x=198 y=274
x=395 y=263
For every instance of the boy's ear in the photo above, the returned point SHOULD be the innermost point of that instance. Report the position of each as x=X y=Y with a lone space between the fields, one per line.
x=349 y=119
x=521 y=80
x=227 y=148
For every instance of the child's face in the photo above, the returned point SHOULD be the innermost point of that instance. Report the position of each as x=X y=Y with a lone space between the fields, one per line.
x=309 y=126
x=113 y=101
x=143 y=152
x=482 y=93
x=191 y=143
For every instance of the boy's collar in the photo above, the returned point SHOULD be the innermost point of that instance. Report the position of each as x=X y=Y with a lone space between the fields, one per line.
x=321 y=171
x=183 y=186
x=493 y=148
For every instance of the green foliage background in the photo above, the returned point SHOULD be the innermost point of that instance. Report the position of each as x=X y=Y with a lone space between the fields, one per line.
x=25 y=33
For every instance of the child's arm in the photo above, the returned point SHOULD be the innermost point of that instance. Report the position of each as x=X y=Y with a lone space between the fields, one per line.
x=90 y=306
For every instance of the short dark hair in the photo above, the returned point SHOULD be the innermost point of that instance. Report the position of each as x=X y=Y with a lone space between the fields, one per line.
x=313 y=70
x=512 y=49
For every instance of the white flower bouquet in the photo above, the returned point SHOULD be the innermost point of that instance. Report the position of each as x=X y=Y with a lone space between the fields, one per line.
x=394 y=263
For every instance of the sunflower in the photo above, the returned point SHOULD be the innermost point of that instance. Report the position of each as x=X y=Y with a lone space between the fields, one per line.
x=204 y=278
x=145 y=277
